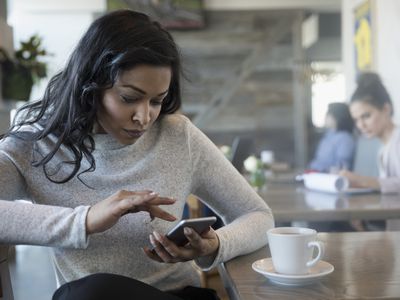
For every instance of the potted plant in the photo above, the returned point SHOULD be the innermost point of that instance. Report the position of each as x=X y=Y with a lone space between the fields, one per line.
x=254 y=166
x=20 y=72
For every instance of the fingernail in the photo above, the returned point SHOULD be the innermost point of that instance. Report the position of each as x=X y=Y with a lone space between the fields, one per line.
x=152 y=241
x=152 y=194
x=187 y=230
x=157 y=235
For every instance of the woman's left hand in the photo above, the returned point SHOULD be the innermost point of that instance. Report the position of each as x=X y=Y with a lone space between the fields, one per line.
x=360 y=181
x=166 y=251
x=354 y=179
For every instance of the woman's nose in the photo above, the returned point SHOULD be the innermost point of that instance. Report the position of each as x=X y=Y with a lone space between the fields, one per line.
x=361 y=125
x=142 y=114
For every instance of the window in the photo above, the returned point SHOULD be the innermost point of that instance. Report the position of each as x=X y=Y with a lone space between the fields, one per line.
x=328 y=85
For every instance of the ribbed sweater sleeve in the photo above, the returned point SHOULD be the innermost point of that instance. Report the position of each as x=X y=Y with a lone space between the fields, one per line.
x=27 y=223
x=389 y=165
x=35 y=224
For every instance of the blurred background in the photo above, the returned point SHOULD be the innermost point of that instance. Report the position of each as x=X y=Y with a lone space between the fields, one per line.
x=265 y=70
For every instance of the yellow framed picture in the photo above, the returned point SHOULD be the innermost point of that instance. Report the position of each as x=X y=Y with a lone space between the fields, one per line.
x=363 y=37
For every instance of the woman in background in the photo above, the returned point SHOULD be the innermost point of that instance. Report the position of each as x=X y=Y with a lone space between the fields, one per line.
x=372 y=111
x=335 y=150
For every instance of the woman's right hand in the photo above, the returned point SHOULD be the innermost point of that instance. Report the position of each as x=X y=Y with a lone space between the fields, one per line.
x=105 y=214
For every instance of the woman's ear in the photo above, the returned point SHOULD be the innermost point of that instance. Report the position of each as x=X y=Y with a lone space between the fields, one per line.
x=388 y=109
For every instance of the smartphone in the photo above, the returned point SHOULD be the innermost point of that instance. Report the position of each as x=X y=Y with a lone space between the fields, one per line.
x=200 y=225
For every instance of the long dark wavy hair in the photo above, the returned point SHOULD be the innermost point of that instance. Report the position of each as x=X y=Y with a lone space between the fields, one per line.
x=341 y=113
x=115 y=42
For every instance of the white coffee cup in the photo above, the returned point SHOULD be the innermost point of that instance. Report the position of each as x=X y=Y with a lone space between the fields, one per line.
x=292 y=249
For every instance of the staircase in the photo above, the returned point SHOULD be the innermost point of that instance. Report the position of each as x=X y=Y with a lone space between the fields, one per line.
x=240 y=78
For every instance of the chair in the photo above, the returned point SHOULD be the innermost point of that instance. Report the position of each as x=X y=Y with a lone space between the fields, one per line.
x=366 y=163
x=6 y=292
x=196 y=210
x=194 y=206
x=365 y=159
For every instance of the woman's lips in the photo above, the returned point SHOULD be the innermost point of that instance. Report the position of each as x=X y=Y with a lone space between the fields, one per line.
x=134 y=133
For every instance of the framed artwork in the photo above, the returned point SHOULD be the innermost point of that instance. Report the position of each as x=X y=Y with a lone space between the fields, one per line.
x=172 y=14
x=363 y=37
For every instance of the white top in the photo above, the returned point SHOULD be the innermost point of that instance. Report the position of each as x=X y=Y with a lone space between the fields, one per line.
x=389 y=164
x=173 y=159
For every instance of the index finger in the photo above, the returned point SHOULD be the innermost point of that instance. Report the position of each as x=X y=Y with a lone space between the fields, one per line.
x=160 y=201
x=156 y=212
x=148 y=200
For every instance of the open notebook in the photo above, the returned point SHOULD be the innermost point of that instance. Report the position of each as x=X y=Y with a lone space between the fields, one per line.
x=331 y=183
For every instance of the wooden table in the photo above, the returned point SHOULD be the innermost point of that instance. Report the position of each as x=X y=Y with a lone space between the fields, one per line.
x=292 y=202
x=367 y=266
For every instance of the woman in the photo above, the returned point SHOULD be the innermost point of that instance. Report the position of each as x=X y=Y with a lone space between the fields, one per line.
x=372 y=111
x=108 y=165
x=335 y=150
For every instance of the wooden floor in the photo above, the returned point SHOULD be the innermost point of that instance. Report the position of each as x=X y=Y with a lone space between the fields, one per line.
x=33 y=276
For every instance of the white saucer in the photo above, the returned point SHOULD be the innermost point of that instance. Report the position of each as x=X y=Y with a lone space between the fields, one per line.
x=265 y=267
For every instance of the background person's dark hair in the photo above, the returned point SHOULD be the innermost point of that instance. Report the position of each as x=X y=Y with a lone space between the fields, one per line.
x=340 y=112
x=371 y=90
x=115 y=42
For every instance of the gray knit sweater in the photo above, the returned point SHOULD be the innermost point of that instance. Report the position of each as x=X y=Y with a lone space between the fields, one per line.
x=173 y=159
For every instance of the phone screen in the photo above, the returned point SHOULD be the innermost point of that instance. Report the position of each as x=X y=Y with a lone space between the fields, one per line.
x=200 y=225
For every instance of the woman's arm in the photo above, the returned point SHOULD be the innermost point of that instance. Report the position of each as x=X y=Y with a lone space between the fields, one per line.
x=389 y=179
x=360 y=181
x=27 y=223
x=22 y=222
x=219 y=185
x=222 y=188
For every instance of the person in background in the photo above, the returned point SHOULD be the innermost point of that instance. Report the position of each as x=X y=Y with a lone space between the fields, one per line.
x=372 y=110
x=109 y=164
x=336 y=149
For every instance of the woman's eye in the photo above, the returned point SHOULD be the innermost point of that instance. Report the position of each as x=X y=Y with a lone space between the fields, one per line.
x=156 y=102
x=366 y=116
x=128 y=99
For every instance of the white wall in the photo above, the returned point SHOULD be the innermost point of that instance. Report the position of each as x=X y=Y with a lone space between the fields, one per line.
x=386 y=47
x=60 y=23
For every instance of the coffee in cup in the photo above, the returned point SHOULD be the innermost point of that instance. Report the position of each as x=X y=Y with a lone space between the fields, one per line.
x=292 y=249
